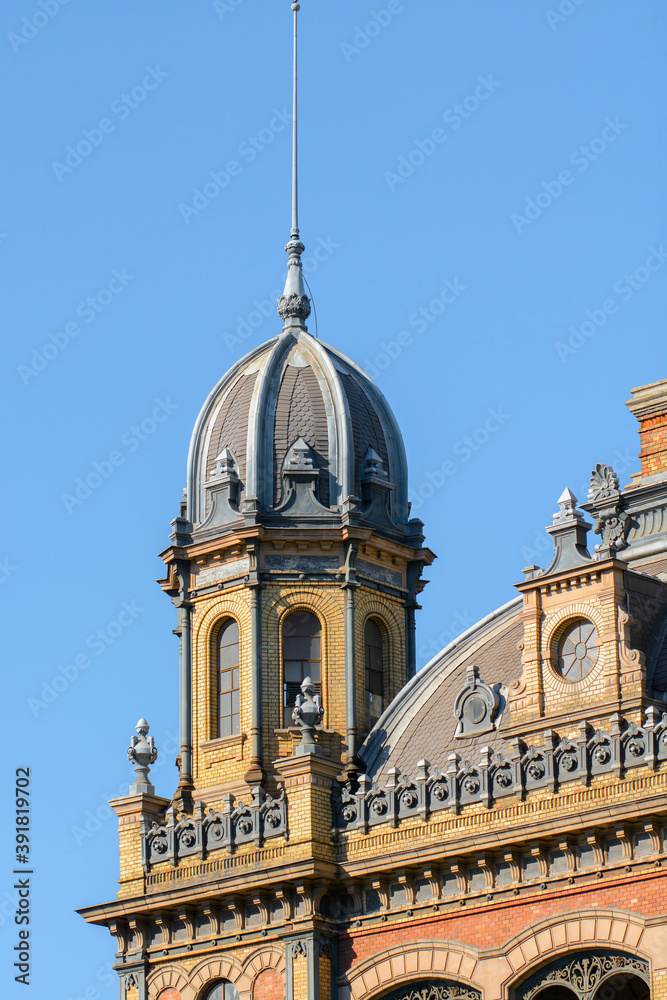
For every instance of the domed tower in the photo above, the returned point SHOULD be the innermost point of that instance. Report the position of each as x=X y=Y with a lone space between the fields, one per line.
x=293 y=556
x=295 y=569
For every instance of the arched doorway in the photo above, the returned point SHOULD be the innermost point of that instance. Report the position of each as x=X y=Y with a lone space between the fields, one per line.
x=432 y=989
x=590 y=975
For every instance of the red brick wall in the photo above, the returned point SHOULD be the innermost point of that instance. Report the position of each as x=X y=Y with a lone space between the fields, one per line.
x=170 y=994
x=268 y=986
x=489 y=926
x=653 y=438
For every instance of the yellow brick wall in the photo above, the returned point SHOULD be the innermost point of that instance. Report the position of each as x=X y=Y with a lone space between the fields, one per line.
x=300 y=978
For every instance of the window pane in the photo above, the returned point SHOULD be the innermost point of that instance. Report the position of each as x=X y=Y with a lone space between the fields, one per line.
x=293 y=670
x=298 y=648
x=301 y=657
x=229 y=633
x=228 y=679
x=373 y=634
x=374 y=664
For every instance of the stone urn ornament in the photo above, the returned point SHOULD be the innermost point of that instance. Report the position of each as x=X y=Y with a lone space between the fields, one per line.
x=308 y=712
x=142 y=752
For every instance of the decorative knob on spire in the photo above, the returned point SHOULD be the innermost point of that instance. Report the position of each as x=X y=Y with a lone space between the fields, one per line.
x=294 y=304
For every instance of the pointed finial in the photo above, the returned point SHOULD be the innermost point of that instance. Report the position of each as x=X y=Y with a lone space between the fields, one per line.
x=567 y=503
x=294 y=304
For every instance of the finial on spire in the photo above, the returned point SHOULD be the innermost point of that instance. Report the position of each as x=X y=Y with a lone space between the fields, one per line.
x=294 y=304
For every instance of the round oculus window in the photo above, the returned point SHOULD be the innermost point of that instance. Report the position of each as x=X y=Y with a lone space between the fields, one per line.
x=577 y=650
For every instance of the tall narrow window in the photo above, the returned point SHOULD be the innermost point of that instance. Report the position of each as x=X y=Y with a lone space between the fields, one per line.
x=302 y=657
x=374 y=660
x=229 y=718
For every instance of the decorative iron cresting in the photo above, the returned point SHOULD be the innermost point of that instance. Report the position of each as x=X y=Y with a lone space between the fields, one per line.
x=433 y=991
x=183 y=836
x=520 y=770
x=583 y=973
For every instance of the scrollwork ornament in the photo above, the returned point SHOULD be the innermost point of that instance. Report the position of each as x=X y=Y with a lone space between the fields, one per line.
x=299 y=948
x=503 y=777
x=409 y=798
x=471 y=785
x=584 y=973
x=435 y=991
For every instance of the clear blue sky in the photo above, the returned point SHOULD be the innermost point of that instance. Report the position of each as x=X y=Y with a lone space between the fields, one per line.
x=479 y=179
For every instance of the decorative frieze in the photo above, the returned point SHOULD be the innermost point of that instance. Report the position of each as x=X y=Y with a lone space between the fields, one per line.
x=203 y=833
x=520 y=770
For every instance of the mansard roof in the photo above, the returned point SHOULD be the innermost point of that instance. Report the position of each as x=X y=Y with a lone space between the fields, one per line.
x=420 y=723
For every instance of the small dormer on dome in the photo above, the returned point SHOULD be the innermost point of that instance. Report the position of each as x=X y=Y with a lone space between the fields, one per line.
x=296 y=433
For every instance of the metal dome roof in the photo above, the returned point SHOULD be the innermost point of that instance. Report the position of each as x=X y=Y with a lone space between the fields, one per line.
x=296 y=409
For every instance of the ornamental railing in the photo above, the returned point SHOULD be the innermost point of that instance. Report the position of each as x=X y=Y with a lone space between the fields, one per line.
x=205 y=832
x=519 y=771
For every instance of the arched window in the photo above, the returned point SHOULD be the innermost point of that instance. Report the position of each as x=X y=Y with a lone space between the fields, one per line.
x=229 y=717
x=223 y=990
x=302 y=657
x=374 y=663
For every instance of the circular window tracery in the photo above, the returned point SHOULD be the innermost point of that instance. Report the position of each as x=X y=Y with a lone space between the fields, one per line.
x=578 y=649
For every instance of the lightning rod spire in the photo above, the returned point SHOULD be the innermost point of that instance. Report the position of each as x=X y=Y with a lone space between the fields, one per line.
x=294 y=304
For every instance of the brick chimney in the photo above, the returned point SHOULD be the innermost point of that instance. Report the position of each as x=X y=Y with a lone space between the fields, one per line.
x=649 y=405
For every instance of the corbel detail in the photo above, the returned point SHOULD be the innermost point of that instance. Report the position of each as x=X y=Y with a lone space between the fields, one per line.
x=120 y=931
x=432 y=876
x=212 y=914
x=593 y=840
x=537 y=851
x=405 y=880
x=382 y=889
x=163 y=922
